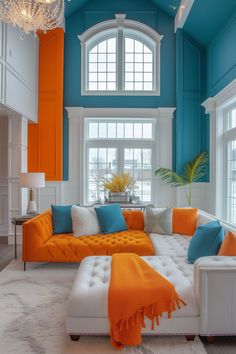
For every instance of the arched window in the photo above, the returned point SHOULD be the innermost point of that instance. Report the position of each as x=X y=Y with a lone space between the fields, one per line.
x=120 y=57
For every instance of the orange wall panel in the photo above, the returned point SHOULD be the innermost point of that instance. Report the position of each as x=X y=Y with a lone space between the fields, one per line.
x=45 y=138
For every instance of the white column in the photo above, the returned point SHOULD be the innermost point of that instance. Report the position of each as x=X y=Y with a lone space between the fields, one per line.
x=73 y=189
x=17 y=162
x=164 y=194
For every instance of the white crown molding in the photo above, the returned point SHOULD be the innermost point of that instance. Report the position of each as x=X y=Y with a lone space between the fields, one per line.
x=80 y=112
x=224 y=98
x=120 y=21
x=182 y=13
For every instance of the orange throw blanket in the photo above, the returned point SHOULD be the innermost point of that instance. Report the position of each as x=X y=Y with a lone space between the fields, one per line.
x=136 y=290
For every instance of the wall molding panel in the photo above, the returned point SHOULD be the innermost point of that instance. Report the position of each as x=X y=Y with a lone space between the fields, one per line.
x=221 y=58
x=3 y=177
x=17 y=162
x=191 y=128
x=18 y=71
x=45 y=138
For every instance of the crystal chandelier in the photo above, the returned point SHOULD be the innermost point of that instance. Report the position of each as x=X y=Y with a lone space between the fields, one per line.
x=32 y=15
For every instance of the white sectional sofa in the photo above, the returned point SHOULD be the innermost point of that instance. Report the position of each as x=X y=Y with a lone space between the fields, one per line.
x=208 y=287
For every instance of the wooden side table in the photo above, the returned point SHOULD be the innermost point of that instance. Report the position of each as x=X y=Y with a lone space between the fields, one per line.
x=16 y=222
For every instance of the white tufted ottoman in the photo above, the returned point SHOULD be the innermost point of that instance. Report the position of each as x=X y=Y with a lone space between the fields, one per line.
x=87 y=307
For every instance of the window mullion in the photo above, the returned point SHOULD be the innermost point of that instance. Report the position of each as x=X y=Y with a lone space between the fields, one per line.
x=120 y=55
x=120 y=158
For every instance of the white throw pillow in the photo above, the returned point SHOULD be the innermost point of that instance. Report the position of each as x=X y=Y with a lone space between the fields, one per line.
x=158 y=220
x=84 y=221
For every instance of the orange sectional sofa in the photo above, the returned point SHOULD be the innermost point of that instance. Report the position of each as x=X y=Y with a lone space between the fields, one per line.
x=41 y=245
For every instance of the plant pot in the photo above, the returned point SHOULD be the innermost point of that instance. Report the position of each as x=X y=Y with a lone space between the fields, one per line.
x=119 y=197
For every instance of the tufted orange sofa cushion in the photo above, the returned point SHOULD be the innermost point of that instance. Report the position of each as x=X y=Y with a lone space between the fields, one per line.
x=134 y=219
x=40 y=245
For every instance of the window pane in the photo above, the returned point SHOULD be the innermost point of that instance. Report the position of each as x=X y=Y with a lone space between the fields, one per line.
x=128 y=130
x=102 y=47
x=102 y=164
x=231 y=182
x=101 y=86
x=111 y=45
x=93 y=130
x=147 y=130
x=102 y=161
x=231 y=117
x=120 y=130
x=138 y=86
x=93 y=58
x=141 y=170
x=138 y=130
x=111 y=133
x=138 y=66
x=93 y=153
x=101 y=61
x=102 y=130
x=129 y=45
x=147 y=86
x=93 y=86
x=138 y=47
x=111 y=86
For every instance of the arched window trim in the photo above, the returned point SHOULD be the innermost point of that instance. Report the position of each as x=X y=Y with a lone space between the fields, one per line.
x=119 y=28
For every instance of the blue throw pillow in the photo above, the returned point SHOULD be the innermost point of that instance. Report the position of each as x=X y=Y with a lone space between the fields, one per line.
x=111 y=219
x=61 y=219
x=206 y=241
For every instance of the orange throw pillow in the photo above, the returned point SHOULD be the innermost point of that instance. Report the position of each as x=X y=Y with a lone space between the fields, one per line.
x=184 y=220
x=228 y=247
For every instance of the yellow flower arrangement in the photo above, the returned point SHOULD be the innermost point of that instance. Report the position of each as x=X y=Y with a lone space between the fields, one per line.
x=119 y=183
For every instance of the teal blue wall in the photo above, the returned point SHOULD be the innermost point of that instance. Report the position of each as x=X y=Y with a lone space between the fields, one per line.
x=182 y=67
x=221 y=58
x=191 y=125
x=97 y=11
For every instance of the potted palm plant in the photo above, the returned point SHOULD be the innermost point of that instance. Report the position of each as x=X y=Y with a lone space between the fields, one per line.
x=193 y=172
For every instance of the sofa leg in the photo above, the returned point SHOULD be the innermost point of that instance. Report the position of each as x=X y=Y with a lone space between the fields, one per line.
x=190 y=338
x=74 y=337
x=24 y=266
x=210 y=339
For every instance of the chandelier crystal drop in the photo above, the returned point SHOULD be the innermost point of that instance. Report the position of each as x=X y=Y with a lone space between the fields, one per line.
x=32 y=15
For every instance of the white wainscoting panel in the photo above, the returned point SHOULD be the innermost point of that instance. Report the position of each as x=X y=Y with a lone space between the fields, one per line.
x=51 y=194
x=3 y=177
x=200 y=196
x=18 y=71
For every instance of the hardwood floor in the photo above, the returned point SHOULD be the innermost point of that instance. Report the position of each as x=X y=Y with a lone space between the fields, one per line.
x=7 y=254
x=222 y=345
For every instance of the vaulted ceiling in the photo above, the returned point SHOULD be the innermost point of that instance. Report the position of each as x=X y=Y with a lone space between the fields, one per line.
x=207 y=17
x=169 y=6
x=204 y=21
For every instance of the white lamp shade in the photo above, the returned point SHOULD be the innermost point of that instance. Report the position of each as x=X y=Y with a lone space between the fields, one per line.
x=32 y=180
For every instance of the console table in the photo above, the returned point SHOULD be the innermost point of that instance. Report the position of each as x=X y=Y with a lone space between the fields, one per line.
x=141 y=206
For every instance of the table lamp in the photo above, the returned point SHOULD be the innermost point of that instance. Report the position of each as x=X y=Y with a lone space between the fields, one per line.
x=32 y=180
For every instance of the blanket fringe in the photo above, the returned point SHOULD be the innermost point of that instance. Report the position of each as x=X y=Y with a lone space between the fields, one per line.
x=152 y=311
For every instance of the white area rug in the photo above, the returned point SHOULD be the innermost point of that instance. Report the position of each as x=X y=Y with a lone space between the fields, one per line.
x=32 y=313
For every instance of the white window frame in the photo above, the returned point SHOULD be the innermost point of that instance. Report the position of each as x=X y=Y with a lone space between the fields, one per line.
x=216 y=107
x=228 y=136
x=120 y=145
x=74 y=188
x=119 y=27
